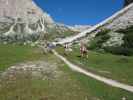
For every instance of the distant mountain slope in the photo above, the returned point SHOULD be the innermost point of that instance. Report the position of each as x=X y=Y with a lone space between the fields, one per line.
x=79 y=28
x=21 y=20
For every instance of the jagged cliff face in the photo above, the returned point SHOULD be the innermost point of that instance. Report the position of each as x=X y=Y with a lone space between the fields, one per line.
x=26 y=10
x=23 y=20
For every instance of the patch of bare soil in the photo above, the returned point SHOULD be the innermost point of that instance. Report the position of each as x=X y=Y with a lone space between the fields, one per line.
x=39 y=69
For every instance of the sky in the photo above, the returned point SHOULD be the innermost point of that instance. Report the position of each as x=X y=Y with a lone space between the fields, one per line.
x=80 y=12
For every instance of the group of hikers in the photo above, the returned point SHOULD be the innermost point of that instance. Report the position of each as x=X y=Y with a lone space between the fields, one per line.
x=48 y=47
x=83 y=49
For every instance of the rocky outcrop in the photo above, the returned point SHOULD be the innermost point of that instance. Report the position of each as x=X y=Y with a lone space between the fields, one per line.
x=22 y=20
x=116 y=39
x=38 y=69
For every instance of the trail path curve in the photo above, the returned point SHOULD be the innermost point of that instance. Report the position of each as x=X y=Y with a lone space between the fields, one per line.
x=107 y=81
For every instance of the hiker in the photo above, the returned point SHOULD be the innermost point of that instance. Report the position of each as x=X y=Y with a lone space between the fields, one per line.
x=83 y=50
x=67 y=48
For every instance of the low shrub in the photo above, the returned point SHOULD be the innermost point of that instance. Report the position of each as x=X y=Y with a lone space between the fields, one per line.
x=119 y=50
x=128 y=40
x=99 y=39
x=103 y=32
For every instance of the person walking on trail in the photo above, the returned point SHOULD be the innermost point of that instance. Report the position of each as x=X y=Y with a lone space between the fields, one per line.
x=83 y=50
x=67 y=48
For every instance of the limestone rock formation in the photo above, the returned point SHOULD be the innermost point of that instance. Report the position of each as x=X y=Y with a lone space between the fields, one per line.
x=22 y=20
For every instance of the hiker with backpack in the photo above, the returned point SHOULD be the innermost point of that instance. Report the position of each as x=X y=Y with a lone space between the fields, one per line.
x=83 y=50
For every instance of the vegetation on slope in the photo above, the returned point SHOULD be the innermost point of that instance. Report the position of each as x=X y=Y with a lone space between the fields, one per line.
x=55 y=35
x=125 y=49
x=97 y=42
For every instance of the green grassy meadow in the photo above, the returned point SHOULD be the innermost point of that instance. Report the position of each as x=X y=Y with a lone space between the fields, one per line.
x=13 y=54
x=69 y=86
x=111 y=66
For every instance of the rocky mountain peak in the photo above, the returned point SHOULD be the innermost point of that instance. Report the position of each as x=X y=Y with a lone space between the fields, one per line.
x=22 y=19
x=24 y=10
